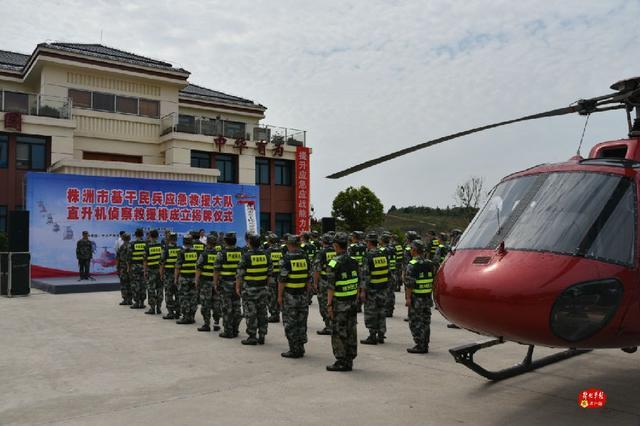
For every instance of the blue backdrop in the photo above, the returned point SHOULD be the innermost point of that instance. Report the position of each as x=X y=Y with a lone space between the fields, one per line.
x=62 y=206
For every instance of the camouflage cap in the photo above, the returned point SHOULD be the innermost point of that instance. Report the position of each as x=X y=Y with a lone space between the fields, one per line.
x=327 y=238
x=253 y=239
x=213 y=234
x=212 y=239
x=273 y=238
x=126 y=236
x=229 y=235
x=411 y=235
x=173 y=236
x=418 y=245
x=372 y=236
x=187 y=239
x=341 y=238
x=385 y=237
x=293 y=239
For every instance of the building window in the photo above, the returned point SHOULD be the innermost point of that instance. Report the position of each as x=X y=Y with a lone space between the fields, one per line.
x=262 y=171
x=149 y=108
x=227 y=166
x=80 y=98
x=16 y=102
x=233 y=129
x=265 y=221
x=31 y=153
x=283 y=171
x=201 y=159
x=4 y=151
x=3 y=218
x=127 y=105
x=186 y=123
x=284 y=223
x=104 y=102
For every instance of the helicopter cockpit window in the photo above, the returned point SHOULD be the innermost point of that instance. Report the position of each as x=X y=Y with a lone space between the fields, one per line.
x=583 y=214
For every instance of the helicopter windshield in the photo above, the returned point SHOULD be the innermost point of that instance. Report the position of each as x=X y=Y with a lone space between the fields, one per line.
x=578 y=213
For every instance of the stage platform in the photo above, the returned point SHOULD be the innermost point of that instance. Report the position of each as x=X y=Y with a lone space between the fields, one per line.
x=64 y=285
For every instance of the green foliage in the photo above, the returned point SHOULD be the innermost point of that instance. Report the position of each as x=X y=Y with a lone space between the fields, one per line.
x=357 y=209
x=423 y=219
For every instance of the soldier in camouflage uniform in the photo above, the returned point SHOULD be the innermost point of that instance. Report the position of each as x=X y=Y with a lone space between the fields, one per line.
x=167 y=272
x=185 y=274
x=310 y=249
x=204 y=282
x=216 y=304
x=293 y=297
x=357 y=250
x=122 y=266
x=152 y=273
x=374 y=291
x=418 y=288
x=84 y=254
x=226 y=267
x=252 y=279
x=136 y=269
x=275 y=255
x=320 y=267
x=389 y=251
x=343 y=283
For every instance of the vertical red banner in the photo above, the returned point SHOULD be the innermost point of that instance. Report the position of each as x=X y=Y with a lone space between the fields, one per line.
x=302 y=190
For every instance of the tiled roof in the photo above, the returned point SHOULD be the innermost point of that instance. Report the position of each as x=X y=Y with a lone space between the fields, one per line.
x=13 y=61
x=198 y=92
x=105 y=52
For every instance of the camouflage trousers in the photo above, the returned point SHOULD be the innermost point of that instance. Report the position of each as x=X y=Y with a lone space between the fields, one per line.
x=231 y=314
x=254 y=307
x=188 y=297
x=125 y=284
x=171 y=292
x=420 y=320
x=344 y=338
x=323 y=288
x=398 y=283
x=209 y=301
x=154 y=287
x=138 y=284
x=295 y=311
x=274 y=308
x=391 y=296
x=375 y=310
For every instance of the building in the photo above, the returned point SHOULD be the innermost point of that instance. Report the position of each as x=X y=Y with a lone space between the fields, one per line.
x=89 y=109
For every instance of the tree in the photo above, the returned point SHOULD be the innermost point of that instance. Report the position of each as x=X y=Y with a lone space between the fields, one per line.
x=358 y=208
x=469 y=194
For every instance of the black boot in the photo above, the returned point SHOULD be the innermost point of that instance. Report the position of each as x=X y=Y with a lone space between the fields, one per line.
x=169 y=316
x=226 y=335
x=184 y=320
x=418 y=350
x=274 y=318
x=381 y=338
x=205 y=327
x=389 y=314
x=339 y=366
x=452 y=326
x=261 y=339
x=123 y=303
x=371 y=340
x=216 y=325
x=293 y=352
x=158 y=309
x=134 y=306
x=150 y=311
x=324 y=332
x=251 y=341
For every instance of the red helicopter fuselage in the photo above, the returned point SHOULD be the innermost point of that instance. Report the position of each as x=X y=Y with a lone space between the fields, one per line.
x=552 y=259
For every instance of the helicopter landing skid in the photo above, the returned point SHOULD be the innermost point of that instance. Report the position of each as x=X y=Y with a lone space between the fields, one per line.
x=464 y=355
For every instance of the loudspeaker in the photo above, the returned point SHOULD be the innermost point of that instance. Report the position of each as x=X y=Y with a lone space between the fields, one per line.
x=15 y=274
x=328 y=224
x=18 y=231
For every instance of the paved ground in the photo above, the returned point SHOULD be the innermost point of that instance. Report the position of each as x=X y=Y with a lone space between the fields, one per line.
x=79 y=359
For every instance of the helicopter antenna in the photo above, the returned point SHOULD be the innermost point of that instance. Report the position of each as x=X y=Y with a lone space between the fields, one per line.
x=584 y=129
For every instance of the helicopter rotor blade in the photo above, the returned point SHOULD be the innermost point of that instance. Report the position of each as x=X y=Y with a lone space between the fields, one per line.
x=552 y=113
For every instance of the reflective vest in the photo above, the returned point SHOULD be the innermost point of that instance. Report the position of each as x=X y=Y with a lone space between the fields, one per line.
x=171 y=257
x=357 y=252
x=346 y=272
x=198 y=247
x=137 y=251
x=442 y=250
x=189 y=259
x=399 y=252
x=329 y=254
x=424 y=277
x=154 y=252
x=310 y=250
x=257 y=268
x=378 y=268
x=434 y=247
x=209 y=262
x=230 y=259
x=389 y=251
x=276 y=256
x=298 y=272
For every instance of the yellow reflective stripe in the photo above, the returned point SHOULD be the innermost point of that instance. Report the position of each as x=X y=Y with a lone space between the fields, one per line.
x=347 y=282
x=295 y=285
x=421 y=290
x=228 y=273
x=169 y=266
x=380 y=272
x=255 y=277
x=206 y=274
x=379 y=280
x=296 y=276
x=257 y=270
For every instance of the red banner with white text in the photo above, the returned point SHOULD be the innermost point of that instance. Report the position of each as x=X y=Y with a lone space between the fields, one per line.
x=303 y=195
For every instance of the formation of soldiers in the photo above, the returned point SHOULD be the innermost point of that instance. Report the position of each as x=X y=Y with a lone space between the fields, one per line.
x=270 y=278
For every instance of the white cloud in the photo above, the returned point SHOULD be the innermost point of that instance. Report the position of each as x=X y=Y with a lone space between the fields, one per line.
x=368 y=77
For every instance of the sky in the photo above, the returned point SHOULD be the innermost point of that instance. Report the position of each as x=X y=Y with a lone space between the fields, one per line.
x=368 y=77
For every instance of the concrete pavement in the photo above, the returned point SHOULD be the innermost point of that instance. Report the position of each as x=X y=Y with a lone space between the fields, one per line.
x=80 y=359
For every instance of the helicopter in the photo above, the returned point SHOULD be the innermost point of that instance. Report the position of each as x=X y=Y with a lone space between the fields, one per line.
x=106 y=259
x=552 y=258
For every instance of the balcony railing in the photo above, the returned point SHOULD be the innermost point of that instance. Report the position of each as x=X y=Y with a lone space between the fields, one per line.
x=35 y=104
x=212 y=127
